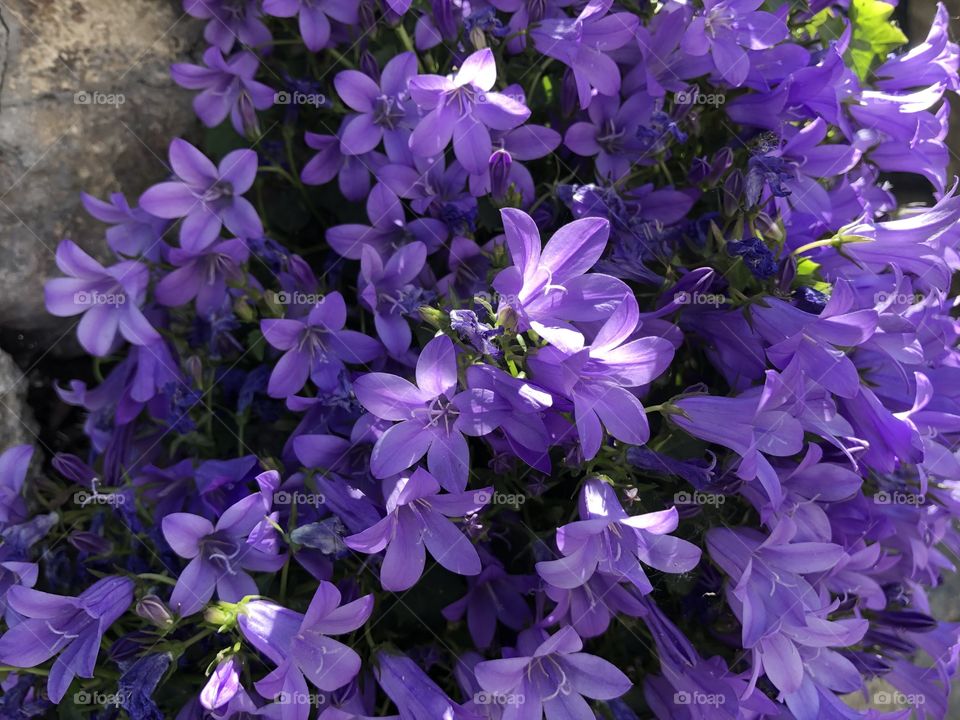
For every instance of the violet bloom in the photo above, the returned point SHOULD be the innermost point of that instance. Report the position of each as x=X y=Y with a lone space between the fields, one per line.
x=387 y=290
x=727 y=30
x=300 y=647
x=815 y=343
x=382 y=108
x=14 y=463
x=595 y=378
x=416 y=696
x=228 y=87
x=431 y=417
x=221 y=554
x=223 y=685
x=202 y=273
x=783 y=613
x=352 y=171
x=108 y=297
x=416 y=521
x=582 y=44
x=315 y=16
x=206 y=196
x=493 y=596
x=315 y=347
x=230 y=21
x=135 y=232
x=548 y=286
x=551 y=676
x=388 y=228
x=608 y=540
x=463 y=107
x=72 y=627
x=611 y=135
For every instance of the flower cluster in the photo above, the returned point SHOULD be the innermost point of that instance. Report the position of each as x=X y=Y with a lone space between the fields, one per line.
x=512 y=360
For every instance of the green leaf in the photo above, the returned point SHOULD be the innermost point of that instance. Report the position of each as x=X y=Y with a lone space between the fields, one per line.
x=874 y=35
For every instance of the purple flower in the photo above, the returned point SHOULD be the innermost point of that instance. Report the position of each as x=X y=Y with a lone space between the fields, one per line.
x=416 y=521
x=220 y=554
x=134 y=232
x=608 y=540
x=388 y=228
x=413 y=692
x=352 y=171
x=782 y=613
x=228 y=89
x=300 y=647
x=431 y=417
x=230 y=21
x=595 y=378
x=207 y=197
x=314 y=17
x=727 y=30
x=551 y=676
x=548 y=287
x=71 y=627
x=492 y=596
x=388 y=291
x=383 y=112
x=316 y=347
x=756 y=256
x=463 y=107
x=14 y=463
x=202 y=273
x=108 y=297
x=223 y=685
x=612 y=133
x=582 y=44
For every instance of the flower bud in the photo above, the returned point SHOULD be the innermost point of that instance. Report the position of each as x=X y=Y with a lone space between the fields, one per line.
x=500 y=162
x=153 y=609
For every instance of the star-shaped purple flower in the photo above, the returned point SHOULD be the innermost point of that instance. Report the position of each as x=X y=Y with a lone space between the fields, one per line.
x=206 y=196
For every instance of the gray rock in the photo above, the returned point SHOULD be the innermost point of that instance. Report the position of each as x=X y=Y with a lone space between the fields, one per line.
x=17 y=424
x=86 y=103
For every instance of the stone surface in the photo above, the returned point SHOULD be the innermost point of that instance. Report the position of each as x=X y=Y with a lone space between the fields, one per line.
x=17 y=424
x=86 y=103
